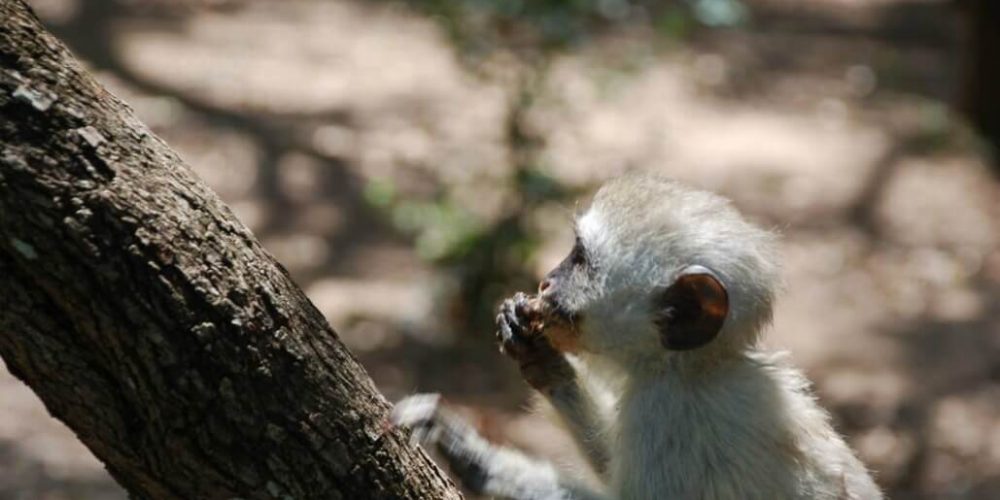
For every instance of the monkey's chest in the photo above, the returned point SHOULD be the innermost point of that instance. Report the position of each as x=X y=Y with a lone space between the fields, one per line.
x=694 y=470
x=694 y=455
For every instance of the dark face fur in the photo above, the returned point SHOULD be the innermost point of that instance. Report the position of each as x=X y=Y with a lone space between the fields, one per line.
x=572 y=271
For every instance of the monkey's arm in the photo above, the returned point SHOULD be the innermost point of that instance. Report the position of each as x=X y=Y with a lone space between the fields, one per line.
x=584 y=418
x=482 y=467
x=549 y=372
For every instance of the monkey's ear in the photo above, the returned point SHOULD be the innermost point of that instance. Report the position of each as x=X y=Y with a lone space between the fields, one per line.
x=691 y=311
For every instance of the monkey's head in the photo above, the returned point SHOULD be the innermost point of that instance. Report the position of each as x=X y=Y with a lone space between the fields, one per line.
x=659 y=269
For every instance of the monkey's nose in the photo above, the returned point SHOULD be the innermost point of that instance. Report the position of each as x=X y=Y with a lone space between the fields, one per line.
x=544 y=285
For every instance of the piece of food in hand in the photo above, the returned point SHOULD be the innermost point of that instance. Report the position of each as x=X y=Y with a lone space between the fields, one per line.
x=544 y=319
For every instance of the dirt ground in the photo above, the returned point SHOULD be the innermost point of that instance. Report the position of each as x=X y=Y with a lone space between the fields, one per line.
x=827 y=121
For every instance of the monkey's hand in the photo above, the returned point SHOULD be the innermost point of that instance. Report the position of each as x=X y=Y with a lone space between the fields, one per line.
x=519 y=333
x=432 y=423
x=481 y=467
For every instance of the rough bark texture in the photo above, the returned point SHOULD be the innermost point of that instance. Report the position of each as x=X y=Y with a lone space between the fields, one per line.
x=152 y=322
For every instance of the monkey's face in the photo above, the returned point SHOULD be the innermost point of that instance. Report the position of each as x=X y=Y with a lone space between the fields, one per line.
x=657 y=269
x=629 y=303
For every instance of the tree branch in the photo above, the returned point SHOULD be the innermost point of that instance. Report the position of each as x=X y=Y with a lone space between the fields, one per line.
x=152 y=322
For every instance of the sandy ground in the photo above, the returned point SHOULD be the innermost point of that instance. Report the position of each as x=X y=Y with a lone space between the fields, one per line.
x=889 y=214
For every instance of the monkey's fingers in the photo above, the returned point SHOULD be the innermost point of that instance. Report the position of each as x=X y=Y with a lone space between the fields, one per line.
x=419 y=414
x=506 y=336
x=511 y=333
x=431 y=421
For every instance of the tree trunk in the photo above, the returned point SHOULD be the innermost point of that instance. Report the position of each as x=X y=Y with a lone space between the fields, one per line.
x=150 y=321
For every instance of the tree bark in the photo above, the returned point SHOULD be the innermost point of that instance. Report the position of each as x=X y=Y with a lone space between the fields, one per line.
x=150 y=320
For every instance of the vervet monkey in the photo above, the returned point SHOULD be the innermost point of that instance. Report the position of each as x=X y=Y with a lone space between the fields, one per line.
x=645 y=339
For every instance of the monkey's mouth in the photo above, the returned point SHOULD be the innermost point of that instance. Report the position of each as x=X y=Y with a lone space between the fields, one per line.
x=556 y=322
x=560 y=313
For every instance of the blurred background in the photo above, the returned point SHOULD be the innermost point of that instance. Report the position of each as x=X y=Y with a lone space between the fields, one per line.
x=412 y=163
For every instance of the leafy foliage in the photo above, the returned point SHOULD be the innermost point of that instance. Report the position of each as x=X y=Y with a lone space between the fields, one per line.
x=480 y=26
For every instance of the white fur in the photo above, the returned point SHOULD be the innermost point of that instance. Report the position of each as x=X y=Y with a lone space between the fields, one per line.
x=726 y=421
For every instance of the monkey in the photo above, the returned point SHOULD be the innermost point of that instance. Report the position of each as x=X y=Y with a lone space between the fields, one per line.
x=646 y=339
